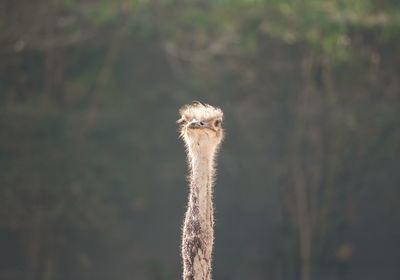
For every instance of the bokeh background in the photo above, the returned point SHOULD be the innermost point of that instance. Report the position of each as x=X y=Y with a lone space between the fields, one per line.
x=93 y=175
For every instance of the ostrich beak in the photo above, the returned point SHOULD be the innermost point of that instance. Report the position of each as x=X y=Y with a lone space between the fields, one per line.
x=198 y=124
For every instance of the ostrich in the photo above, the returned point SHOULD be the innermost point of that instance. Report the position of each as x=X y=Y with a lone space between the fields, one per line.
x=201 y=130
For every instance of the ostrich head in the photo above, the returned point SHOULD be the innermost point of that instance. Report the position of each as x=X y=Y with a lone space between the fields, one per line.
x=201 y=126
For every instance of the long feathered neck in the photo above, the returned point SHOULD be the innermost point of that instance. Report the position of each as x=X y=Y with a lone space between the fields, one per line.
x=201 y=178
x=198 y=233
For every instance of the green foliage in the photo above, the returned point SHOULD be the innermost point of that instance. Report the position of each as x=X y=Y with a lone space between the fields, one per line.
x=70 y=3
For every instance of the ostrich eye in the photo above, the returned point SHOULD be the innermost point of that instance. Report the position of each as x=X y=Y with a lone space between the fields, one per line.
x=217 y=123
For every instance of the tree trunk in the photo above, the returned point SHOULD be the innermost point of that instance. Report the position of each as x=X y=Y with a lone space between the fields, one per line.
x=34 y=250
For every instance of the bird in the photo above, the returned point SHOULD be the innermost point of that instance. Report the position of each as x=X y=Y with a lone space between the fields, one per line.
x=202 y=132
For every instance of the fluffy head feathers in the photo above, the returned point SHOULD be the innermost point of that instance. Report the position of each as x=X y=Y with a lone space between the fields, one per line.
x=199 y=111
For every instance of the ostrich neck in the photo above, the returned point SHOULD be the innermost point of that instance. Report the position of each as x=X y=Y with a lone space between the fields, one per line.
x=198 y=233
x=201 y=184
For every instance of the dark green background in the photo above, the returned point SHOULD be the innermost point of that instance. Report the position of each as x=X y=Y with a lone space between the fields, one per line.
x=93 y=175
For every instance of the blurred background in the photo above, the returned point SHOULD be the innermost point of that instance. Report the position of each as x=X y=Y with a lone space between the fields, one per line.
x=93 y=175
